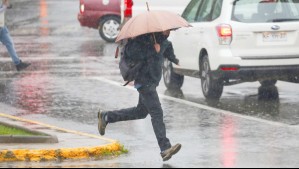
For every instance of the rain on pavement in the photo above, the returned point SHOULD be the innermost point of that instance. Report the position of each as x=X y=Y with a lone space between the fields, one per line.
x=74 y=73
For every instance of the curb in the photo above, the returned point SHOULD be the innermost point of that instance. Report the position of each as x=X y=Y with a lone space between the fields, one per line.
x=112 y=149
x=27 y=139
x=60 y=154
x=40 y=137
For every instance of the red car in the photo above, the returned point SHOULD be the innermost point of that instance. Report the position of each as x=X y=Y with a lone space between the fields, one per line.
x=104 y=15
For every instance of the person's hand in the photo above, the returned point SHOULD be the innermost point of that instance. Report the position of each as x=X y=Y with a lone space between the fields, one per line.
x=178 y=63
x=157 y=47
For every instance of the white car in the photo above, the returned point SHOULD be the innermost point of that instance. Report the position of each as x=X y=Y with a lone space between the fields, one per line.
x=235 y=41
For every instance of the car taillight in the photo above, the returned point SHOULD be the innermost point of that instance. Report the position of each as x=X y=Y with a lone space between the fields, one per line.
x=225 y=34
x=82 y=8
x=128 y=8
x=230 y=68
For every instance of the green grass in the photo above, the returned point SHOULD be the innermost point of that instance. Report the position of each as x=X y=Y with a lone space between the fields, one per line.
x=4 y=130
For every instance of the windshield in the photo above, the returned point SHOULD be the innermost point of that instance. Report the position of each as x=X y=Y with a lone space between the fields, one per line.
x=260 y=11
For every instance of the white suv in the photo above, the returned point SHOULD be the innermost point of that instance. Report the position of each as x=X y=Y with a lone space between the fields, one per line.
x=235 y=41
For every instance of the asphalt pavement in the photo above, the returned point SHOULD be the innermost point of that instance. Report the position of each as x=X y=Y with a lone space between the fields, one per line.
x=74 y=73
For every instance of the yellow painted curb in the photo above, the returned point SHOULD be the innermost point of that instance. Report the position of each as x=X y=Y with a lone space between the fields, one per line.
x=114 y=148
x=60 y=154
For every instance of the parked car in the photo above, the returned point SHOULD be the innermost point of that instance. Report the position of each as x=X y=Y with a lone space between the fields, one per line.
x=104 y=15
x=235 y=41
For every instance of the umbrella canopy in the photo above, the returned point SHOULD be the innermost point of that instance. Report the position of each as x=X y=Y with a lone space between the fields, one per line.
x=149 y=22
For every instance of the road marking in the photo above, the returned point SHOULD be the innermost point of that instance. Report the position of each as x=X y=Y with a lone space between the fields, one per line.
x=201 y=106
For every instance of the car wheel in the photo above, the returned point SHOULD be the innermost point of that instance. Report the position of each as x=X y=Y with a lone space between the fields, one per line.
x=109 y=28
x=212 y=89
x=172 y=80
x=268 y=82
x=293 y=79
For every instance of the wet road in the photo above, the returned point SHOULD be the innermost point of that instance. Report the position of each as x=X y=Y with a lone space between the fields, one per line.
x=74 y=73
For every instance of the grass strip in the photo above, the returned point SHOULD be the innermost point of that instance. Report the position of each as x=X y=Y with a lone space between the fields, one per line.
x=5 y=130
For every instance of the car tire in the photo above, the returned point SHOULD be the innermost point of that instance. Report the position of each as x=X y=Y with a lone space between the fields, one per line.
x=293 y=79
x=109 y=28
x=211 y=88
x=268 y=82
x=172 y=80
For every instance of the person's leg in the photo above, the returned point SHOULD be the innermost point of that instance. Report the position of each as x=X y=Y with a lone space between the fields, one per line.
x=150 y=99
x=134 y=113
x=7 y=41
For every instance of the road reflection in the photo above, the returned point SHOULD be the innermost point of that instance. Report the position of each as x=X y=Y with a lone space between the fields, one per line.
x=228 y=142
x=265 y=104
x=269 y=101
x=43 y=7
x=32 y=88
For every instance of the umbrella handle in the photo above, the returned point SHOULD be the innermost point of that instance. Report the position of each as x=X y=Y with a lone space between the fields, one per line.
x=116 y=52
x=156 y=45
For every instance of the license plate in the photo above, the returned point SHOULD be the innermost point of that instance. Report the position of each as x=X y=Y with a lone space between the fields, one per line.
x=274 y=36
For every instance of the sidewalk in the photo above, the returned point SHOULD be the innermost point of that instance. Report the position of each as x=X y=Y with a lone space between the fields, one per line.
x=71 y=144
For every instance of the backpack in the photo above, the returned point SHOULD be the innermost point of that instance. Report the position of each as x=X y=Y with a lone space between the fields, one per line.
x=129 y=68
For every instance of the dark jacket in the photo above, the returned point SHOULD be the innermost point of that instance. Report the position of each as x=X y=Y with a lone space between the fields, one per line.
x=141 y=49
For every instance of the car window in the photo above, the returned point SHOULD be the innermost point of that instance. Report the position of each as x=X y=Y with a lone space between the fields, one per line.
x=217 y=9
x=205 y=11
x=191 y=11
x=259 y=11
x=294 y=8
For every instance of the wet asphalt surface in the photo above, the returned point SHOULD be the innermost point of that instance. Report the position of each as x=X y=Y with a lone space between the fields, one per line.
x=74 y=73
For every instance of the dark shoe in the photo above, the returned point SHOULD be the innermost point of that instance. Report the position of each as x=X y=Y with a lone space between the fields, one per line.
x=22 y=66
x=167 y=154
x=102 y=123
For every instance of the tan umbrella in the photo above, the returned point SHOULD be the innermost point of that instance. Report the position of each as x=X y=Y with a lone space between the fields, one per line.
x=150 y=22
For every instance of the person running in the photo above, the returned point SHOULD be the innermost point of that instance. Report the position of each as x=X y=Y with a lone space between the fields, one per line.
x=151 y=51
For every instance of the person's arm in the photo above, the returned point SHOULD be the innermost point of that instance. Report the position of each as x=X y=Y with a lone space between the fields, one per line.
x=169 y=54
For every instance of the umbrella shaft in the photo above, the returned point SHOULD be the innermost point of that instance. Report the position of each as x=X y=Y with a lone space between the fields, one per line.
x=154 y=38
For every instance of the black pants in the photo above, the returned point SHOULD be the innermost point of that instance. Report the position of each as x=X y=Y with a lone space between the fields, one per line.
x=149 y=103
